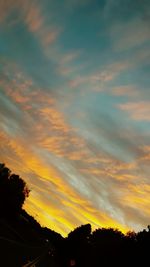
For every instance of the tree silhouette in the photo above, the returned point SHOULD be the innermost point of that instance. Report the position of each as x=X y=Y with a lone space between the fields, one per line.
x=80 y=233
x=78 y=246
x=107 y=246
x=13 y=192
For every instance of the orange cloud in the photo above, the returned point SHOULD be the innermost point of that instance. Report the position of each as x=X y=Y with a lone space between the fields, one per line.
x=138 y=196
x=32 y=15
x=125 y=90
x=68 y=197
x=36 y=23
x=137 y=110
x=99 y=78
x=62 y=170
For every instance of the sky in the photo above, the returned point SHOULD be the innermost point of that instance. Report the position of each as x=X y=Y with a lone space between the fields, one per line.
x=75 y=109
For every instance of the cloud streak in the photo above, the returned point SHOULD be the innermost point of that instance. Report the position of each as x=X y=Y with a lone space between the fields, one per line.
x=74 y=111
x=139 y=111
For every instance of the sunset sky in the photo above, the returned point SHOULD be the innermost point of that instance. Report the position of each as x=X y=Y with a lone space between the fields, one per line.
x=75 y=109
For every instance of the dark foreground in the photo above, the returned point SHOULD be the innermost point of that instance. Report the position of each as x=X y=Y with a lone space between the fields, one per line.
x=24 y=243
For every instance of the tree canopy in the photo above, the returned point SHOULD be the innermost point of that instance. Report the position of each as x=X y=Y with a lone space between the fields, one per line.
x=13 y=192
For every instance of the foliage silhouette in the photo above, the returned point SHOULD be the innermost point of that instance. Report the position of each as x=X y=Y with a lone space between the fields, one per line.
x=13 y=192
x=77 y=245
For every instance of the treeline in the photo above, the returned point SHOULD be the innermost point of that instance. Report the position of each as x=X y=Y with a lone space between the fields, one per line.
x=106 y=247
x=22 y=238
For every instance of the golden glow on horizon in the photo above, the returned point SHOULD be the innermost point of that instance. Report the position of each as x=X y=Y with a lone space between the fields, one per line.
x=75 y=209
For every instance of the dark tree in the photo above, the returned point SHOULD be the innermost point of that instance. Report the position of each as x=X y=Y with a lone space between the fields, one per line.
x=78 y=246
x=107 y=247
x=80 y=233
x=13 y=192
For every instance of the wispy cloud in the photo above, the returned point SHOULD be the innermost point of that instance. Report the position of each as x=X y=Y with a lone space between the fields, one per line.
x=139 y=111
x=130 y=91
x=101 y=77
x=74 y=109
x=32 y=15
x=36 y=23
x=130 y=35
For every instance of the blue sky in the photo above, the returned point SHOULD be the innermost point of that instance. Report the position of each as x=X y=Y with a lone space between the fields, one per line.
x=75 y=109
